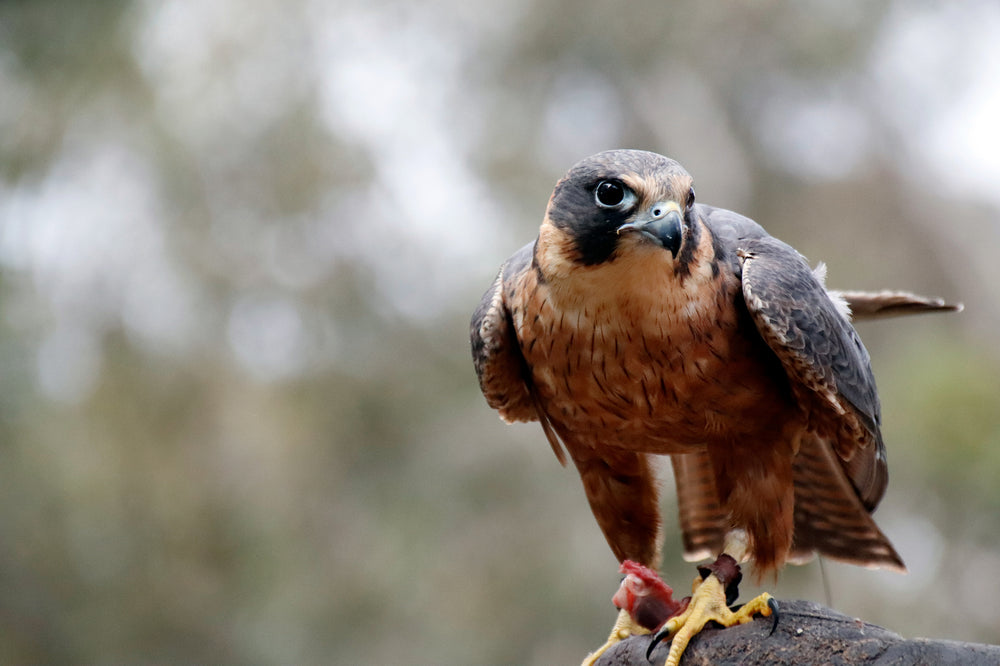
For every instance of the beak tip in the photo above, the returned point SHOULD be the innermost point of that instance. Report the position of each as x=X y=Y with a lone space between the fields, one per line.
x=666 y=231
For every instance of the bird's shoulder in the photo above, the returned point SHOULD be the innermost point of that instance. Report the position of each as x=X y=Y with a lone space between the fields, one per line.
x=729 y=228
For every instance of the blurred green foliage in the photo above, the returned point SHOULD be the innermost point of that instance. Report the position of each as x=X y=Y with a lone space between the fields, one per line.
x=240 y=244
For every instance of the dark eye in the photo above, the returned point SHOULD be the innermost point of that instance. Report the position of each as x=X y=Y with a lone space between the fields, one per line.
x=690 y=201
x=609 y=193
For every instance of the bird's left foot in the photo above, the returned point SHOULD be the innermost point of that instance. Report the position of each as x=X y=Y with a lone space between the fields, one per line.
x=713 y=592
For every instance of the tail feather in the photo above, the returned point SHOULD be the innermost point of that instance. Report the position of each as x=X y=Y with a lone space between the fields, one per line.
x=878 y=304
x=830 y=518
x=703 y=520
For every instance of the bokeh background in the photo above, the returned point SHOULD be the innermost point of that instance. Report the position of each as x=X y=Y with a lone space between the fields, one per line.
x=240 y=242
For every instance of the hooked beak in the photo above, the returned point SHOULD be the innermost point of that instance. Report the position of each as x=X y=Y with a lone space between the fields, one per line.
x=662 y=224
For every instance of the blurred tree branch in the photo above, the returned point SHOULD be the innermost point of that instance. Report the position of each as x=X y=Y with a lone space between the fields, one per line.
x=807 y=633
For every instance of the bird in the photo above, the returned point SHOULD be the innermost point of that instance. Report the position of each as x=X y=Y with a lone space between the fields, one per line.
x=642 y=323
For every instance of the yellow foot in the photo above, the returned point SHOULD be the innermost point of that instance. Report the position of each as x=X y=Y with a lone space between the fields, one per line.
x=710 y=603
x=624 y=627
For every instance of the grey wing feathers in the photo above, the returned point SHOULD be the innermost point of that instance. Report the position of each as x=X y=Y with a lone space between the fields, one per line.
x=495 y=351
x=504 y=376
x=823 y=356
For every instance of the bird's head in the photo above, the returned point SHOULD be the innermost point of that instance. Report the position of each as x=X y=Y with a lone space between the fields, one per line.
x=620 y=201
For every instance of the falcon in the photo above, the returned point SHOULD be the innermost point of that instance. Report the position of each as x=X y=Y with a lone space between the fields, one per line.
x=641 y=323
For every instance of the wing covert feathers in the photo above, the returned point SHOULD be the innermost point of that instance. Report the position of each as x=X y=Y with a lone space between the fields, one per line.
x=826 y=363
x=500 y=366
x=503 y=373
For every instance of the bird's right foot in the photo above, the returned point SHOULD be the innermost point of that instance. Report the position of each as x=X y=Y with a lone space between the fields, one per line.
x=713 y=592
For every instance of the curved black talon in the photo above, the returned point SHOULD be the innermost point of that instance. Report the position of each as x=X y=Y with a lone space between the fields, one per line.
x=772 y=603
x=657 y=637
x=733 y=588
